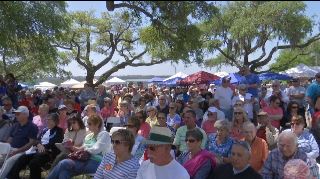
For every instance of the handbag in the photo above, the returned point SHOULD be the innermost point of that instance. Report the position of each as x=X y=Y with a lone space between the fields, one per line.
x=81 y=155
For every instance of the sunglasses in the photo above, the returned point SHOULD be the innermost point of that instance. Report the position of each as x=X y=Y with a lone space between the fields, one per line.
x=190 y=140
x=117 y=142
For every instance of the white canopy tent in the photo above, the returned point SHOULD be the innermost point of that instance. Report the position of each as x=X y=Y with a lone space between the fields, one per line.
x=69 y=83
x=221 y=74
x=44 y=86
x=301 y=70
x=80 y=85
x=115 y=81
x=178 y=75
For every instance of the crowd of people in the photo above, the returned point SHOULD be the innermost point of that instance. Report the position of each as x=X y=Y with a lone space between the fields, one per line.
x=243 y=131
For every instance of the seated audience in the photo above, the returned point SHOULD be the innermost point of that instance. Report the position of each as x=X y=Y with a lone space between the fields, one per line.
x=197 y=161
x=22 y=137
x=96 y=143
x=120 y=164
x=266 y=131
x=73 y=137
x=239 y=168
x=41 y=154
x=220 y=143
x=259 y=147
x=277 y=158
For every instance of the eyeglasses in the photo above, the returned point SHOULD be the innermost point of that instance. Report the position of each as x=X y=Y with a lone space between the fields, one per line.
x=295 y=123
x=238 y=113
x=190 y=140
x=117 y=142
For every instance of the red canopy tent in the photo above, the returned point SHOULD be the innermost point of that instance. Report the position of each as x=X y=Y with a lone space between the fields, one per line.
x=200 y=77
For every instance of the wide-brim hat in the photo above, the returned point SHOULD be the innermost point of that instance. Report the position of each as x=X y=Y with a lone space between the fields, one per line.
x=159 y=135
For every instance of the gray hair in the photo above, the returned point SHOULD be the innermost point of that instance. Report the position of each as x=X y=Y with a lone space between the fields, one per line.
x=152 y=107
x=244 y=145
x=225 y=124
x=288 y=134
x=248 y=124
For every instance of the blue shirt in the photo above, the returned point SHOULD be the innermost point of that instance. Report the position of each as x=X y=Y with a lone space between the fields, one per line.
x=313 y=91
x=109 y=169
x=273 y=166
x=21 y=134
x=223 y=150
x=252 y=79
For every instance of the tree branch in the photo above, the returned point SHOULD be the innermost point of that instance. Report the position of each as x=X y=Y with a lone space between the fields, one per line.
x=116 y=68
x=78 y=57
x=109 y=57
x=226 y=55
x=276 y=48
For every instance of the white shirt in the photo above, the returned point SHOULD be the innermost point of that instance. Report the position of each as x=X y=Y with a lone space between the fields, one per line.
x=224 y=95
x=248 y=106
x=173 y=170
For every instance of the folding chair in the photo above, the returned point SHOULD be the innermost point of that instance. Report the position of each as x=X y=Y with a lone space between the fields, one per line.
x=4 y=151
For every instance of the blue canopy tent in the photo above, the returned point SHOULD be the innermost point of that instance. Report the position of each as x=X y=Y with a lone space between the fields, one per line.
x=157 y=80
x=273 y=76
x=171 y=82
x=235 y=79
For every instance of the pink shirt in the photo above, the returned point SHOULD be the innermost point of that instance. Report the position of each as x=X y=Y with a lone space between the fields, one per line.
x=63 y=123
x=274 y=112
x=144 y=130
x=208 y=126
x=40 y=123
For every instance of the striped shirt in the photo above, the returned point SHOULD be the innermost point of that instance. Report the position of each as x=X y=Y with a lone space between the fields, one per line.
x=109 y=169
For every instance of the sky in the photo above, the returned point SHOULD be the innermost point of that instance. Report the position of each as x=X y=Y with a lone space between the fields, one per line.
x=161 y=69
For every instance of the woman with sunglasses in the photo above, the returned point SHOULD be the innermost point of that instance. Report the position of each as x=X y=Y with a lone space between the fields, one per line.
x=73 y=137
x=306 y=143
x=292 y=111
x=119 y=164
x=197 y=162
x=220 y=143
x=96 y=143
x=274 y=111
x=173 y=119
x=144 y=126
x=134 y=126
x=239 y=117
x=152 y=116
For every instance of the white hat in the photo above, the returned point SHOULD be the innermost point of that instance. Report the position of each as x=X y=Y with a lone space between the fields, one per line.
x=159 y=135
x=212 y=109
x=22 y=109
x=62 y=106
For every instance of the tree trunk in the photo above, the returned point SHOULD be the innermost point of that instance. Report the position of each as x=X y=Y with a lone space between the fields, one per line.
x=90 y=77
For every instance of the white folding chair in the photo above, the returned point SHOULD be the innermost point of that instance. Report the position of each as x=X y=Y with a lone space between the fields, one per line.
x=4 y=151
